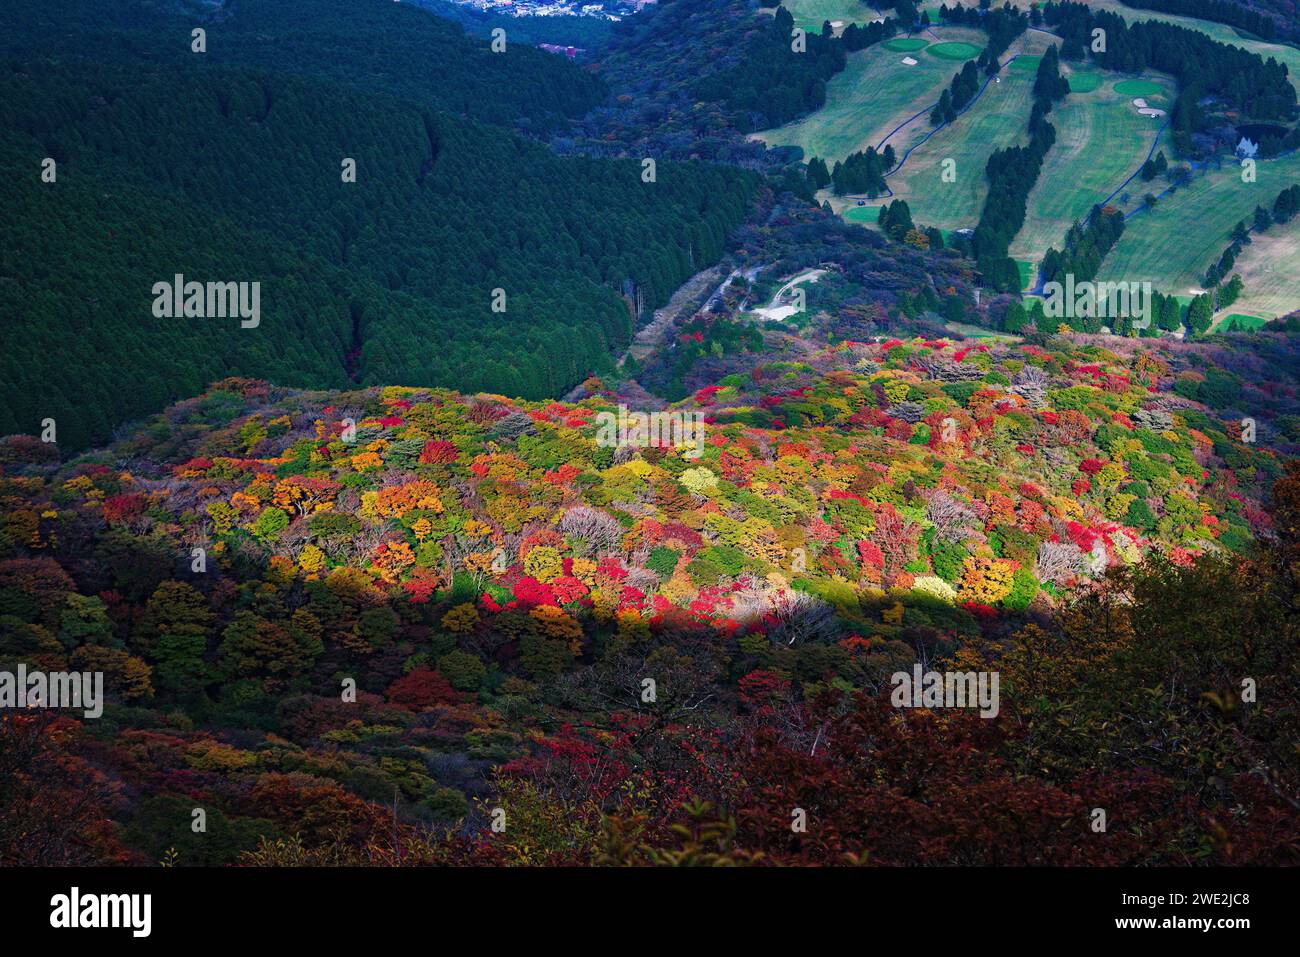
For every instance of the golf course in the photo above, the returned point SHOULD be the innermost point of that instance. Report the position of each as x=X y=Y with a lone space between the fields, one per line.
x=1172 y=244
x=1101 y=140
x=1107 y=128
x=874 y=93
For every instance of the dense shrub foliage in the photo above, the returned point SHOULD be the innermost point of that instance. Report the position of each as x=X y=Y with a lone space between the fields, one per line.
x=498 y=584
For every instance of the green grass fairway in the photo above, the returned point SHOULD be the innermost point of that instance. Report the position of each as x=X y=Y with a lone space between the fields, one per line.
x=1026 y=64
x=998 y=119
x=1101 y=140
x=862 y=214
x=1027 y=270
x=1084 y=82
x=867 y=99
x=954 y=51
x=1269 y=267
x=906 y=44
x=811 y=14
x=1172 y=245
x=1136 y=88
x=979 y=332
x=1244 y=323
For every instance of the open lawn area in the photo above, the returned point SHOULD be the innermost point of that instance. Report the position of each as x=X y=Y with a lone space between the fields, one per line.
x=1085 y=81
x=865 y=101
x=1101 y=140
x=811 y=14
x=862 y=214
x=1270 y=268
x=1238 y=322
x=906 y=44
x=954 y=50
x=1139 y=88
x=1173 y=244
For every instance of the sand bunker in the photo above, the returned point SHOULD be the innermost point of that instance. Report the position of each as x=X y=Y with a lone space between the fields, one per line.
x=908 y=61
x=1145 y=110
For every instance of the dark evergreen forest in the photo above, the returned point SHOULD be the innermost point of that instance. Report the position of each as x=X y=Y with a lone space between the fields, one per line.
x=229 y=172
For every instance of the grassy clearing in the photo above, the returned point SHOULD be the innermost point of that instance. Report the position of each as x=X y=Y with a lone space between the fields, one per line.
x=1136 y=88
x=1025 y=64
x=954 y=50
x=811 y=14
x=978 y=332
x=1241 y=322
x=1101 y=140
x=1269 y=267
x=1085 y=81
x=906 y=44
x=1172 y=245
x=998 y=119
x=867 y=99
x=862 y=214
x=1026 y=270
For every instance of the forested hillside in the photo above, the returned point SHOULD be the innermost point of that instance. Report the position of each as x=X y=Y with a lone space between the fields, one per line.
x=372 y=45
x=499 y=581
x=186 y=155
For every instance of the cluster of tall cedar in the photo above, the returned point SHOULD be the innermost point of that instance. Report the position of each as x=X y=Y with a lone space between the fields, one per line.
x=819 y=176
x=895 y=219
x=775 y=81
x=863 y=172
x=860 y=36
x=1202 y=67
x=960 y=92
x=905 y=10
x=1086 y=246
x=223 y=173
x=1217 y=11
x=1287 y=204
x=1012 y=173
x=1154 y=167
x=1166 y=315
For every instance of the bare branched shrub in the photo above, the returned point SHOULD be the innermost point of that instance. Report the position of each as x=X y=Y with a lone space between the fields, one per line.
x=1058 y=561
x=953 y=520
x=600 y=531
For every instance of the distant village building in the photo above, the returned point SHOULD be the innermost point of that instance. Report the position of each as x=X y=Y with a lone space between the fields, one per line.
x=570 y=52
